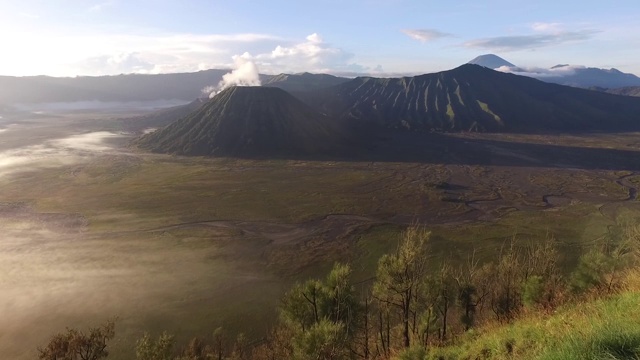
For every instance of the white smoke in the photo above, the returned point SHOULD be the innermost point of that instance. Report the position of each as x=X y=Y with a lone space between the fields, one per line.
x=245 y=73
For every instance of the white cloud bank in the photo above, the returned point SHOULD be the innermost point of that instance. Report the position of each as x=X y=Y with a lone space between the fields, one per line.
x=312 y=55
x=537 y=72
x=112 y=54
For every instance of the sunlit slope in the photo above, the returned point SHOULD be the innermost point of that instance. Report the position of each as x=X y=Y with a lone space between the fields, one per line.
x=600 y=329
x=474 y=98
x=249 y=121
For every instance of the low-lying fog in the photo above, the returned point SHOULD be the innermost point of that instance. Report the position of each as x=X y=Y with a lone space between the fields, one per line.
x=54 y=152
x=56 y=272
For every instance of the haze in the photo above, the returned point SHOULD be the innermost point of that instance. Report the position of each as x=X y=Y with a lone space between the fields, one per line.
x=180 y=165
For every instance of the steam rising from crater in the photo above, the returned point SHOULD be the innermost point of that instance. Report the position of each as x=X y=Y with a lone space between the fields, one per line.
x=245 y=73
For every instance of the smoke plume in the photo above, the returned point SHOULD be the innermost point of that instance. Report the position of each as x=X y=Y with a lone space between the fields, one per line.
x=245 y=73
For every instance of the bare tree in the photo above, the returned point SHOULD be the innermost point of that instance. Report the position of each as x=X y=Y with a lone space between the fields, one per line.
x=78 y=345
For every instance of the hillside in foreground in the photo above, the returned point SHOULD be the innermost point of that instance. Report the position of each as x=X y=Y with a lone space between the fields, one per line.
x=600 y=329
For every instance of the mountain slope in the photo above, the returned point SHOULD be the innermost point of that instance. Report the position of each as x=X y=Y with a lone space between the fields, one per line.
x=474 y=98
x=597 y=329
x=249 y=121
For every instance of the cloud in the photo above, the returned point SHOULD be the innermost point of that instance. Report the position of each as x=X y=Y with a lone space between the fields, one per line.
x=522 y=42
x=313 y=54
x=110 y=54
x=244 y=73
x=547 y=27
x=101 y=6
x=536 y=72
x=123 y=63
x=425 y=35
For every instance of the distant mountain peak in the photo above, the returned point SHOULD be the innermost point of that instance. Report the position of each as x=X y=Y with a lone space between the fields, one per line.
x=490 y=61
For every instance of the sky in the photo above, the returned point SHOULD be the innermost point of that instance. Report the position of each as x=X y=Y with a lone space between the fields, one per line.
x=346 y=37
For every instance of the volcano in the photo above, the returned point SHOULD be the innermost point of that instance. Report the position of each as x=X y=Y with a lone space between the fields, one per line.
x=250 y=122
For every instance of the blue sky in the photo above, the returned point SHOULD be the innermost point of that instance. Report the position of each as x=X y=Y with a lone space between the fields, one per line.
x=379 y=37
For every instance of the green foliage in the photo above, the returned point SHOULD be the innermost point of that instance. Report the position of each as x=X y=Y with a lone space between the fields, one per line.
x=301 y=305
x=322 y=315
x=325 y=340
x=400 y=275
x=413 y=353
x=160 y=349
x=78 y=345
x=532 y=290
x=339 y=302
x=591 y=272
x=334 y=299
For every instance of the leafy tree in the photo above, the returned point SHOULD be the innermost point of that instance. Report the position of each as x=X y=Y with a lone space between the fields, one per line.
x=400 y=275
x=334 y=299
x=325 y=340
x=339 y=302
x=591 y=272
x=78 y=345
x=301 y=305
x=316 y=309
x=532 y=290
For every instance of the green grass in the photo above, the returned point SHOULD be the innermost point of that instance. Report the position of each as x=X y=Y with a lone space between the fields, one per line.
x=485 y=108
x=601 y=329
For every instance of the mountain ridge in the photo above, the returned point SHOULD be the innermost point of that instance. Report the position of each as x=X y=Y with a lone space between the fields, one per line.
x=475 y=98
